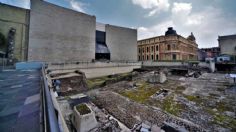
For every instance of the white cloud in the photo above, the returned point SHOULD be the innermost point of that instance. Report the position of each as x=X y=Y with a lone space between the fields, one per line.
x=146 y=4
x=154 y=6
x=156 y=30
x=206 y=24
x=78 y=6
x=25 y=3
x=182 y=7
x=180 y=12
x=19 y=3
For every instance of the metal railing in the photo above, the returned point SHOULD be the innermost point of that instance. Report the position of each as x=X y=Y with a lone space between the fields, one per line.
x=49 y=115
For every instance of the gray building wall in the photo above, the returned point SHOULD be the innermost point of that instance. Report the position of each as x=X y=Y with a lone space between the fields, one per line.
x=17 y=18
x=58 y=34
x=227 y=44
x=122 y=43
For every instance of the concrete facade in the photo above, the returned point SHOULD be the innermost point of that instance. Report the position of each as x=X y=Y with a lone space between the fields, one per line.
x=227 y=44
x=58 y=34
x=122 y=43
x=17 y=18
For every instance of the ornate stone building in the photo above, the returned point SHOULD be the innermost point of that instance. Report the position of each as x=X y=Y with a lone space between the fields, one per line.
x=170 y=46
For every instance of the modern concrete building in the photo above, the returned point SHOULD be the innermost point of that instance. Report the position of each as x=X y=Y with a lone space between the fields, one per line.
x=227 y=44
x=57 y=34
x=15 y=18
x=115 y=43
x=170 y=47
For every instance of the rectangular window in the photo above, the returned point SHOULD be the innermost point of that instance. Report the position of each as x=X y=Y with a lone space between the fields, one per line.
x=173 y=56
x=168 y=47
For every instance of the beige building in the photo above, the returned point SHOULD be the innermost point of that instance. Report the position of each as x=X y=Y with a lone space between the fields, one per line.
x=170 y=46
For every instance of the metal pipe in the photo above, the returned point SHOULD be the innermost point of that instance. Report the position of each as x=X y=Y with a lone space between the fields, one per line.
x=52 y=122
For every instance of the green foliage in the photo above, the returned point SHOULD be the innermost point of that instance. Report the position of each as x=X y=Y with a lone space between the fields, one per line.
x=225 y=121
x=220 y=119
x=170 y=106
x=194 y=99
x=141 y=94
x=83 y=109
x=96 y=82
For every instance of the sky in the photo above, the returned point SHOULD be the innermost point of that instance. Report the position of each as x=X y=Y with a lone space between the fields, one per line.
x=207 y=19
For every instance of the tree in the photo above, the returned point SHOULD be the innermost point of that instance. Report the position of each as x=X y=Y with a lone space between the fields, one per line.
x=2 y=39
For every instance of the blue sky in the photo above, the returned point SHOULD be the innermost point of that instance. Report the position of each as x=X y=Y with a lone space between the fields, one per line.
x=205 y=18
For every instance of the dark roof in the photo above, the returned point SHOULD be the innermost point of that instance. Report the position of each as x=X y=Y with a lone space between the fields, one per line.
x=170 y=31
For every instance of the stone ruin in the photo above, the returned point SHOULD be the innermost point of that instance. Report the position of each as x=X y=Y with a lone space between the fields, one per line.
x=157 y=77
x=69 y=82
x=83 y=118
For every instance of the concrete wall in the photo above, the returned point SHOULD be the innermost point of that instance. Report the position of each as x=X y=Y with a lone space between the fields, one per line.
x=86 y=65
x=58 y=34
x=18 y=18
x=122 y=43
x=150 y=63
x=227 y=46
x=97 y=69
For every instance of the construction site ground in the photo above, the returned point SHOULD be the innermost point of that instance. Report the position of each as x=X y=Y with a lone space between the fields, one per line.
x=205 y=103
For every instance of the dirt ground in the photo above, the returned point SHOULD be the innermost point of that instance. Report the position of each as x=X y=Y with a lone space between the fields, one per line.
x=206 y=103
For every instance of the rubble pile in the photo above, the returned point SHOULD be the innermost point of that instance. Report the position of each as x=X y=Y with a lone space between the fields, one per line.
x=131 y=113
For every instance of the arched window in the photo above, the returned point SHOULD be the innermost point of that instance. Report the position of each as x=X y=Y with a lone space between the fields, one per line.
x=157 y=57
x=168 y=47
x=147 y=57
x=157 y=48
x=152 y=57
